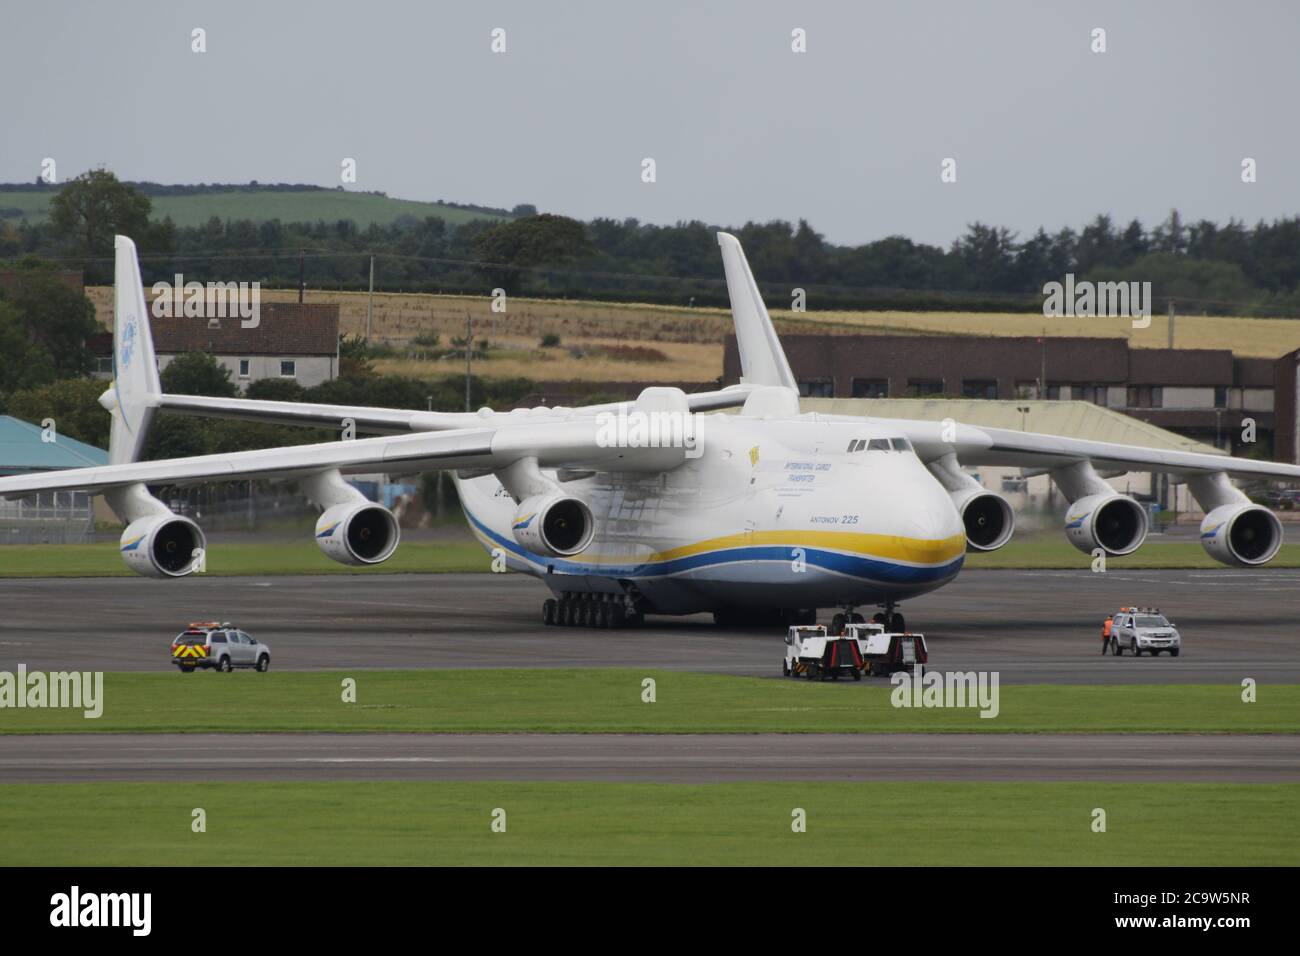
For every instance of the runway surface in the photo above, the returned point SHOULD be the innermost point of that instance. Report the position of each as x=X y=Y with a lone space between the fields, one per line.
x=708 y=758
x=1031 y=626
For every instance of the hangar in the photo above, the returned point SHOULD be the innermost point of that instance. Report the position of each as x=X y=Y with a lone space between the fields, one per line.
x=49 y=517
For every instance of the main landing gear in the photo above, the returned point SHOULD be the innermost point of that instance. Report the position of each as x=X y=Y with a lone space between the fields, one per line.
x=590 y=610
x=888 y=616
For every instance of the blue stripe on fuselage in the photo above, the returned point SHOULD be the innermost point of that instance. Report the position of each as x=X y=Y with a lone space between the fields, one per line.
x=875 y=569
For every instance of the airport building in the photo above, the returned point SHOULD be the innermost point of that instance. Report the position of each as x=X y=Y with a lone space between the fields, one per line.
x=51 y=517
x=1208 y=395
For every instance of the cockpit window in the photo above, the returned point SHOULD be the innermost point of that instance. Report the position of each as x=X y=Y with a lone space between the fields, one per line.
x=878 y=444
x=901 y=444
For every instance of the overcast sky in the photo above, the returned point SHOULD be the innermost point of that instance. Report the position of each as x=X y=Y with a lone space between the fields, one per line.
x=849 y=135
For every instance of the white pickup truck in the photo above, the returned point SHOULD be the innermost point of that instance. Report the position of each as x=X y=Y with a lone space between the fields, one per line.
x=1139 y=629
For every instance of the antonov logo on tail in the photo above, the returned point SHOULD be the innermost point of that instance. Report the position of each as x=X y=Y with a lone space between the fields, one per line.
x=128 y=342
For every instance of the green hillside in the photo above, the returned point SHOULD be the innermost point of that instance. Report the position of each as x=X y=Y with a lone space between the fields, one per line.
x=262 y=205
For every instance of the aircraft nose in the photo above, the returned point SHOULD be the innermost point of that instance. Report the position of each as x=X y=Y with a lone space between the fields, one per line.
x=936 y=517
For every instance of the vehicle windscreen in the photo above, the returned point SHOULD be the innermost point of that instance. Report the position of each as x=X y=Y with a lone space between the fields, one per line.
x=192 y=637
x=1149 y=621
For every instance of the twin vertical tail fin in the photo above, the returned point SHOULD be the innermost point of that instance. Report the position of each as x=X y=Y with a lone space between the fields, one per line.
x=762 y=360
x=134 y=395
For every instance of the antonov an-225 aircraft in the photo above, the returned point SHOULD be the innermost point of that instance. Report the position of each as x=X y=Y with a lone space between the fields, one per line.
x=663 y=505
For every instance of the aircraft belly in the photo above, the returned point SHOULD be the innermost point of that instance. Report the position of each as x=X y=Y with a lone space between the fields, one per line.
x=687 y=549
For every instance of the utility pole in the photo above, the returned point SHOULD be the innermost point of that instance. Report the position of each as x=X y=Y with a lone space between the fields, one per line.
x=1171 y=323
x=1042 y=370
x=469 y=343
x=370 y=299
x=302 y=273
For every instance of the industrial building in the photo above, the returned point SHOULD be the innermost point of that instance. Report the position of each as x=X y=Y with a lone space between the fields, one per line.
x=1208 y=395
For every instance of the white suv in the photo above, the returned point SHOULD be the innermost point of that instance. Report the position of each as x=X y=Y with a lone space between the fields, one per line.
x=1143 y=629
x=222 y=647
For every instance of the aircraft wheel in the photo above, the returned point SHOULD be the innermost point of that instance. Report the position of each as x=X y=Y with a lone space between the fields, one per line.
x=837 y=624
x=604 y=615
x=896 y=623
x=548 y=612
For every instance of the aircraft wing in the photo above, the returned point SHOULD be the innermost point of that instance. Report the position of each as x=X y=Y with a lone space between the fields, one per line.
x=396 y=421
x=574 y=444
x=1036 y=453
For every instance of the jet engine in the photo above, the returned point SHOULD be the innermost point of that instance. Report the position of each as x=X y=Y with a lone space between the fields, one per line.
x=1241 y=534
x=553 y=524
x=163 y=546
x=1113 y=522
x=357 y=533
x=989 y=520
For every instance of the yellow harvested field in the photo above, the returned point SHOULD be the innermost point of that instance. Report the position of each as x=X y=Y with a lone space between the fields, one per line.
x=1260 y=338
x=692 y=338
x=512 y=358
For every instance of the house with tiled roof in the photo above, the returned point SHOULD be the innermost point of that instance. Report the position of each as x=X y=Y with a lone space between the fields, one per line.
x=291 y=340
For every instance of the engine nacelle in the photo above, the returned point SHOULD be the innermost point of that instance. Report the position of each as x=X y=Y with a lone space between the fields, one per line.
x=1115 y=523
x=989 y=520
x=163 y=546
x=1243 y=535
x=553 y=524
x=357 y=533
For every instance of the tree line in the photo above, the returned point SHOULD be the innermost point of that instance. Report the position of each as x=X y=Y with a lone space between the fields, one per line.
x=1208 y=267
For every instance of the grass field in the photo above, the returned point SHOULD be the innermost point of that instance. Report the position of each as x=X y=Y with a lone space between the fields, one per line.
x=1052 y=550
x=303 y=557
x=328 y=205
x=596 y=700
x=260 y=558
x=285 y=824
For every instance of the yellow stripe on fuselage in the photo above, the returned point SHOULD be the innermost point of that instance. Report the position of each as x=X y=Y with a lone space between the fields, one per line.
x=921 y=551
x=891 y=546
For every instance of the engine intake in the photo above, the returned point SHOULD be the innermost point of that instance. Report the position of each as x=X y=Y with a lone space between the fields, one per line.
x=357 y=533
x=162 y=546
x=1115 y=523
x=553 y=524
x=989 y=520
x=1243 y=535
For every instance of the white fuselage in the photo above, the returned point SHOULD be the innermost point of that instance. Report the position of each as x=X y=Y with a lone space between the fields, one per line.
x=772 y=514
